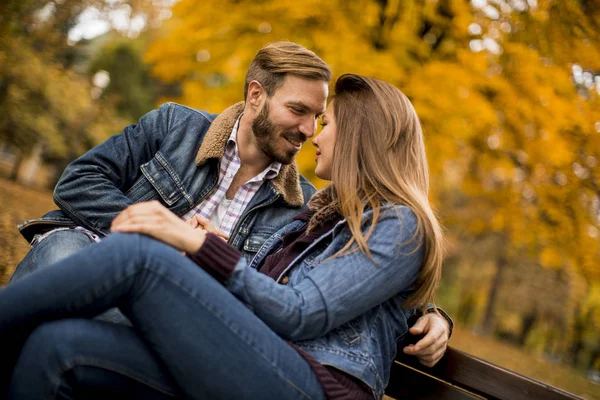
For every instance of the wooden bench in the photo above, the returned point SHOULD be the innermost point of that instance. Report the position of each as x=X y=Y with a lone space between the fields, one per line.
x=461 y=376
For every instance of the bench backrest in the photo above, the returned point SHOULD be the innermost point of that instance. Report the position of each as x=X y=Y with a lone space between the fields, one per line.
x=459 y=375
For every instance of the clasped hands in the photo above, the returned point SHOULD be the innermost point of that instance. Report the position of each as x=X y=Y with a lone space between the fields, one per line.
x=153 y=219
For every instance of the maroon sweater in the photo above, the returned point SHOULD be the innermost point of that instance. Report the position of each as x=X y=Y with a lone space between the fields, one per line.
x=219 y=259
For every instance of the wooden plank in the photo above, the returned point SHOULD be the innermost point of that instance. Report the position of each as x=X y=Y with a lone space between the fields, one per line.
x=486 y=379
x=409 y=383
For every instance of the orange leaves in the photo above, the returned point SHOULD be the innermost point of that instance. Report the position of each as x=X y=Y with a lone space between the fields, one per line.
x=550 y=258
x=448 y=101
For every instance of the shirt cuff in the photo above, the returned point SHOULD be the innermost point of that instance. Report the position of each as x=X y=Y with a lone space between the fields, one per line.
x=431 y=309
x=216 y=257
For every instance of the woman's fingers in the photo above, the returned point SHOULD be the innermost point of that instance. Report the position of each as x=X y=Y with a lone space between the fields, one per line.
x=153 y=219
x=209 y=227
x=151 y=210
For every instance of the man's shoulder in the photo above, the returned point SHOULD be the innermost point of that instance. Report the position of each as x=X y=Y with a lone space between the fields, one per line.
x=179 y=111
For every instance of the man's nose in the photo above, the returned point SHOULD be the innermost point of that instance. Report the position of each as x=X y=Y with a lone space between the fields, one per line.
x=308 y=127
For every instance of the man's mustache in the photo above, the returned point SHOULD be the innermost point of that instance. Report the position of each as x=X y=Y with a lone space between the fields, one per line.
x=295 y=136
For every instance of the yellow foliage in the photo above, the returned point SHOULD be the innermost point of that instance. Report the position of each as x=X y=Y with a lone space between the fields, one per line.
x=44 y=102
x=550 y=257
x=497 y=223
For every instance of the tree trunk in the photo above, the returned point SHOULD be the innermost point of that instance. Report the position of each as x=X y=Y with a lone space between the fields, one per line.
x=527 y=323
x=31 y=168
x=14 y=172
x=489 y=318
x=577 y=344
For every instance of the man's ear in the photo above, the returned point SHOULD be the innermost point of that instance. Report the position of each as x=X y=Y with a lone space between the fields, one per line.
x=256 y=95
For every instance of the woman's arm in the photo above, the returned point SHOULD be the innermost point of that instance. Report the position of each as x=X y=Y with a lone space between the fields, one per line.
x=335 y=291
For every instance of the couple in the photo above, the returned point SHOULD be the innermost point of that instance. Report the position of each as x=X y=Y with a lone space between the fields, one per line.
x=304 y=299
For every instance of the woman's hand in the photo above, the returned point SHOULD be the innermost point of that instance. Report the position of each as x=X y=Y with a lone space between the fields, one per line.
x=432 y=347
x=153 y=219
x=203 y=223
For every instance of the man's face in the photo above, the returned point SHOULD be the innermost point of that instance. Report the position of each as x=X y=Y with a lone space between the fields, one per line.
x=289 y=117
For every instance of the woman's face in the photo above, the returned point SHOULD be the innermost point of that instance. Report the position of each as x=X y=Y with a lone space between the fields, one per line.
x=325 y=142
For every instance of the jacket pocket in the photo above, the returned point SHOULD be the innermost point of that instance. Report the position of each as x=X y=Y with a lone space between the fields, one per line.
x=254 y=241
x=159 y=178
x=253 y=244
x=349 y=332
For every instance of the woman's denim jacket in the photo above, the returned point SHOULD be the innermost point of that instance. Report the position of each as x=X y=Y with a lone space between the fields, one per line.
x=171 y=155
x=347 y=312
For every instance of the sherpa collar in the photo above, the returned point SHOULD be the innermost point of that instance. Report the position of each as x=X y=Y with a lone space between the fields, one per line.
x=324 y=206
x=287 y=183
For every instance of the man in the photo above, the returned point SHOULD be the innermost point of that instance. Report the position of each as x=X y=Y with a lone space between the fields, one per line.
x=236 y=169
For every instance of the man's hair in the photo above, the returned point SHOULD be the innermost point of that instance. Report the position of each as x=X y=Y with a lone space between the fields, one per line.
x=275 y=60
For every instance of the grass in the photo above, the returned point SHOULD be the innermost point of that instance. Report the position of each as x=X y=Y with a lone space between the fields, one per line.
x=18 y=204
x=517 y=360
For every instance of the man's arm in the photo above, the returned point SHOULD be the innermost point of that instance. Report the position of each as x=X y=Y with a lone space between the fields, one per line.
x=91 y=189
x=436 y=330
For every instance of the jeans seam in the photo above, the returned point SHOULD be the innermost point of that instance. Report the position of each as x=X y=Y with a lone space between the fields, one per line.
x=220 y=316
x=80 y=361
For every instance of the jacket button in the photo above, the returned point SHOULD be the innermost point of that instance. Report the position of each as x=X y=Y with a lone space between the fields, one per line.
x=285 y=280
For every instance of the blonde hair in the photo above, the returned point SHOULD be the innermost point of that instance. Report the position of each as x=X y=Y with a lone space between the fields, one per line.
x=274 y=61
x=379 y=157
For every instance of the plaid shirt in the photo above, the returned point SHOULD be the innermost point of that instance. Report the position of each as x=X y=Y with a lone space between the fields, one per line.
x=230 y=164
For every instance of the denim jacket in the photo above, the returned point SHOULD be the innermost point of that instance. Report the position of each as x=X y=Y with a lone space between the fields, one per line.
x=347 y=312
x=171 y=155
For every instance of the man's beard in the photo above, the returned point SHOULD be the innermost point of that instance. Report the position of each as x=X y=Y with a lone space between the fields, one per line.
x=266 y=136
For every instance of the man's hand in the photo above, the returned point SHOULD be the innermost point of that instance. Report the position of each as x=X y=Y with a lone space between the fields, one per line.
x=153 y=219
x=430 y=349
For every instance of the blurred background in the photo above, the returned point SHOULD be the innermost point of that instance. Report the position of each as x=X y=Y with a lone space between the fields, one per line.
x=508 y=92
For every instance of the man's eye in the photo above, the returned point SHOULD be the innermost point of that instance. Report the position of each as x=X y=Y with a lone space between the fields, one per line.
x=323 y=124
x=296 y=110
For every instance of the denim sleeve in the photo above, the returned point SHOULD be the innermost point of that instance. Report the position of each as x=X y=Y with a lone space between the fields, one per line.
x=91 y=189
x=340 y=289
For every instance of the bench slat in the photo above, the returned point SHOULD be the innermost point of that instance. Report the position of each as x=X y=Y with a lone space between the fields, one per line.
x=408 y=383
x=474 y=375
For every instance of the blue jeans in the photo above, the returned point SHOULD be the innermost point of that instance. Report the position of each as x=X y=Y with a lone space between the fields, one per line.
x=190 y=337
x=58 y=246
x=55 y=247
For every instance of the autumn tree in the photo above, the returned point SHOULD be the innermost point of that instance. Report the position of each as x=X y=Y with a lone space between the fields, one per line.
x=48 y=108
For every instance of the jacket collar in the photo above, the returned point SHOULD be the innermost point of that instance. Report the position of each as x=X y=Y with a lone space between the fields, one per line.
x=287 y=183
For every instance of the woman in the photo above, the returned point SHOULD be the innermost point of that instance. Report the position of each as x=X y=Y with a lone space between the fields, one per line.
x=320 y=319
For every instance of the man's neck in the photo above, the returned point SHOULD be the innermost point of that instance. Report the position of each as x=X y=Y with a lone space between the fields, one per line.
x=252 y=157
